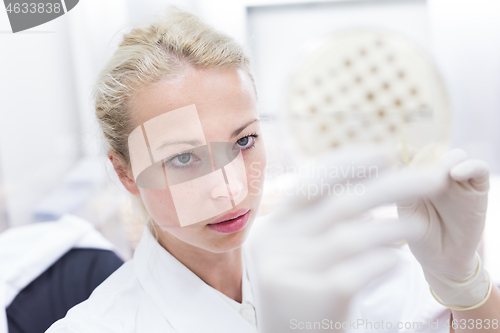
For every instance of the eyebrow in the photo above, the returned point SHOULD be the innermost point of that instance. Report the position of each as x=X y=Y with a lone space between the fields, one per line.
x=240 y=129
x=193 y=143
x=196 y=142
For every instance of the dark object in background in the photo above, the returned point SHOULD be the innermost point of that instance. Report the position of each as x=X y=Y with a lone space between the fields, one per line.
x=66 y=283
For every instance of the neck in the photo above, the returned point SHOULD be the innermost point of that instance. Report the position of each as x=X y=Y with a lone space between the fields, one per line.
x=221 y=271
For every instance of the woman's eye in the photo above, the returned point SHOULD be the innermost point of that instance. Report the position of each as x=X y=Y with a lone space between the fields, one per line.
x=246 y=142
x=182 y=159
x=243 y=141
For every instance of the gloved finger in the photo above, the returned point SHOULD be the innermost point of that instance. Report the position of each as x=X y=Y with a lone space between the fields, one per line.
x=316 y=179
x=475 y=171
x=407 y=203
x=401 y=185
x=397 y=185
x=446 y=163
x=452 y=158
x=408 y=208
x=343 y=241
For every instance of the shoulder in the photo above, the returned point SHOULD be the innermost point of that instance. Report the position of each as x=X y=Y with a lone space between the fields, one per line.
x=119 y=304
x=85 y=269
x=69 y=281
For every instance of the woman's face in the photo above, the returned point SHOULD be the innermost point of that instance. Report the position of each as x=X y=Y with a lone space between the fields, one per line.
x=225 y=102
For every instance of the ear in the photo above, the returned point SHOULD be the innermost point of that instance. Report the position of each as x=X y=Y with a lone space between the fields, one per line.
x=123 y=173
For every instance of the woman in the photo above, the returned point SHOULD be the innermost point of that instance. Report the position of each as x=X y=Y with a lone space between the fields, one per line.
x=188 y=272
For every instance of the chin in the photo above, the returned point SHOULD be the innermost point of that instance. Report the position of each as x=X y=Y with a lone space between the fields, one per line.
x=229 y=242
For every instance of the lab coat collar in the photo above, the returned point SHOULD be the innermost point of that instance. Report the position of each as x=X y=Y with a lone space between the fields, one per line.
x=250 y=266
x=187 y=302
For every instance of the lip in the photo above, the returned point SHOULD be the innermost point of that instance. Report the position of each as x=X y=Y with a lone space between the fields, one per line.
x=231 y=222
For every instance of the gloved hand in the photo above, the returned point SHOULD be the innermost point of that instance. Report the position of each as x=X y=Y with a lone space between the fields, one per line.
x=310 y=261
x=454 y=221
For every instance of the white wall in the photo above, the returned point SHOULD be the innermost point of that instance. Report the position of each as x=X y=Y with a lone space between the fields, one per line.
x=466 y=42
x=39 y=131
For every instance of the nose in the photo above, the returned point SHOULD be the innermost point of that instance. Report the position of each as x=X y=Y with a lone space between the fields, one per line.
x=230 y=190
x=234 y=189
x=234 y=178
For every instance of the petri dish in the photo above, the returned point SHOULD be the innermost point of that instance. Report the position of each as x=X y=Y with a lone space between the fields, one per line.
x=369 y=86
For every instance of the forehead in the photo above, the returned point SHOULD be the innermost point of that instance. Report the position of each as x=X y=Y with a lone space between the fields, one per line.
x=224 y=98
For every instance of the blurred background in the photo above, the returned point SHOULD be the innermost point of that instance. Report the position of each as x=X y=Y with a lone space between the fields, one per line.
x=52 y=156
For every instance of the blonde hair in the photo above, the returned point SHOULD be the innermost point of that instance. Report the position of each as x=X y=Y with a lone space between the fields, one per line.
x=152 y=53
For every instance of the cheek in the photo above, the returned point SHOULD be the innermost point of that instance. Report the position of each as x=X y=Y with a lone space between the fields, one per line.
x=255 y=164
x=160 y=206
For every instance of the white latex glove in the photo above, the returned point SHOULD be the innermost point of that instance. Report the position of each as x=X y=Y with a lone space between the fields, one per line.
x=454 y=221
x=310 y=264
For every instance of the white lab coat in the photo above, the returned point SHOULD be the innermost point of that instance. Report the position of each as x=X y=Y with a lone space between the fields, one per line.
x=28 y=251
x=154 y=292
